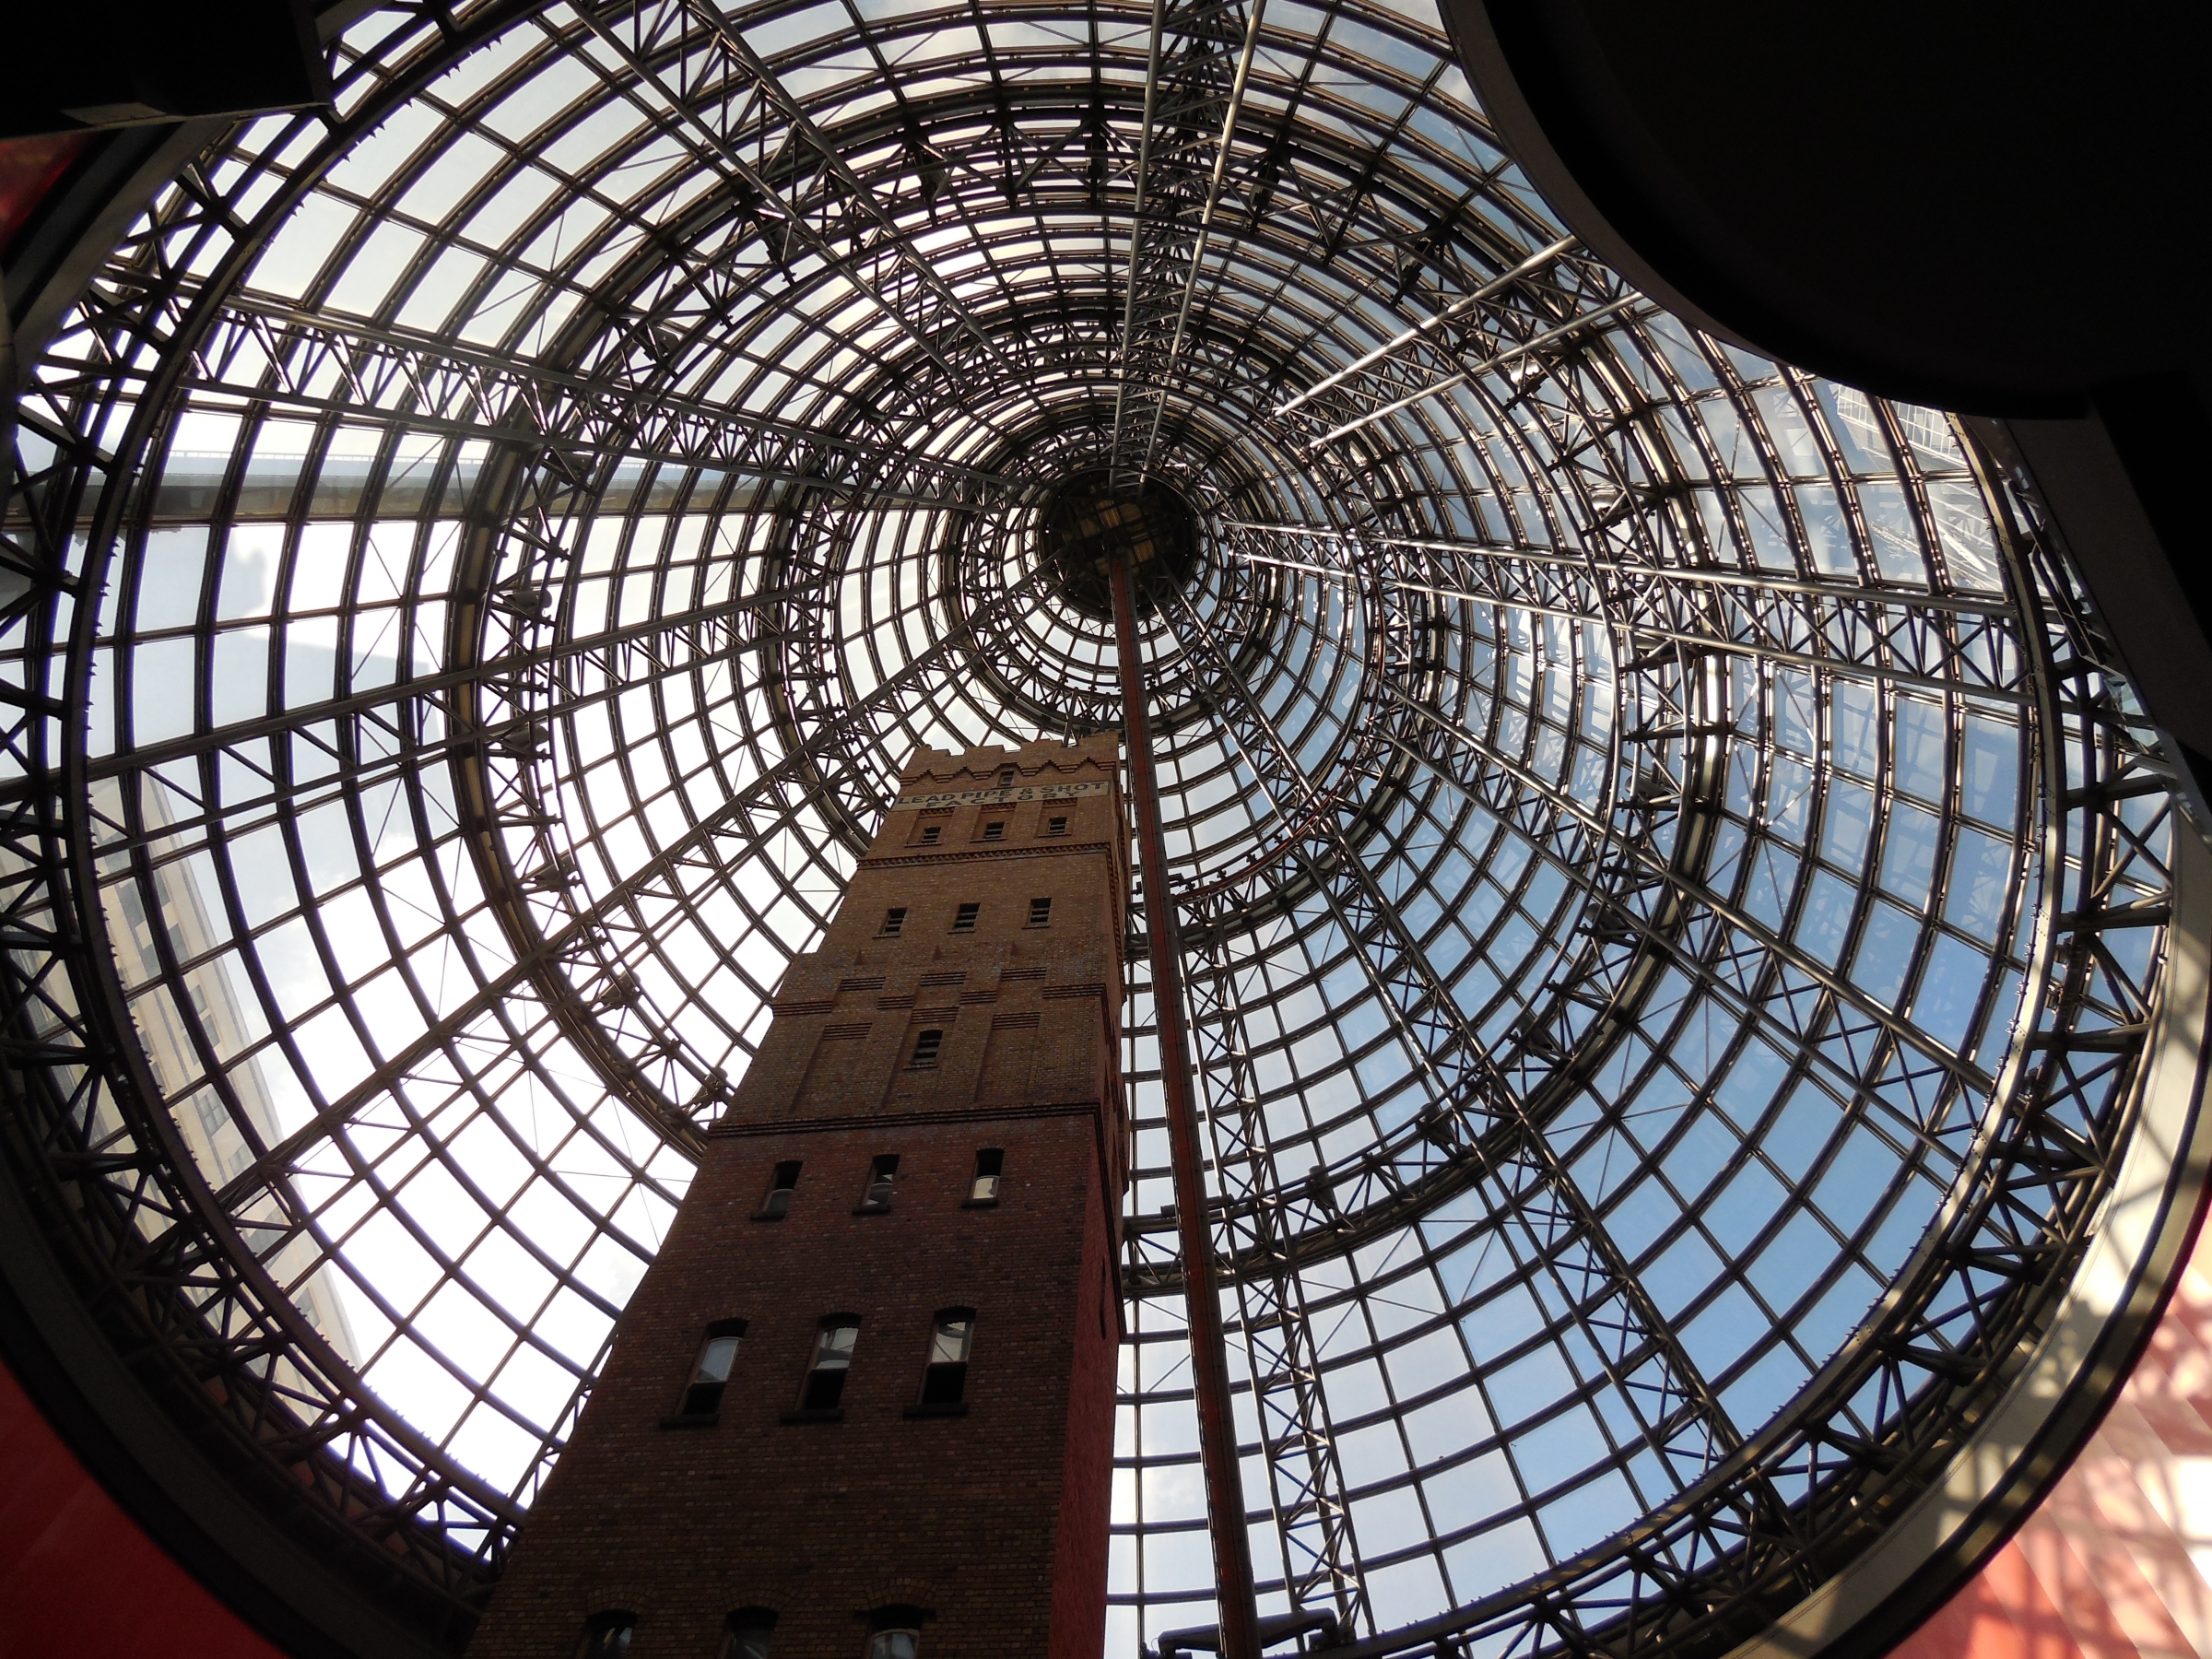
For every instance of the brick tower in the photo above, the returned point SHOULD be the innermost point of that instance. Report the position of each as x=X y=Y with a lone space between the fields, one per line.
x=861 y=1405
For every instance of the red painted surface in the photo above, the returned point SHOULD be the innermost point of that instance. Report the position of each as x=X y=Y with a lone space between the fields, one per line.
x=2117 y=1562
x=78 y=1577
x=29 y=168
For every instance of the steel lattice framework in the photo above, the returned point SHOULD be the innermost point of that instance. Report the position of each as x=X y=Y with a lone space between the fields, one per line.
x=1675 y=890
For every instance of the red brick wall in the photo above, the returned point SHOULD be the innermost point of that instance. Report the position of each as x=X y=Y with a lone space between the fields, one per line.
x=995 y=1520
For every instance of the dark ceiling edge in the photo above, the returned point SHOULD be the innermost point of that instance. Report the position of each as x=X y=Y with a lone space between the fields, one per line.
x=1500 y=93
x=160 y=1478
x=1524 y=60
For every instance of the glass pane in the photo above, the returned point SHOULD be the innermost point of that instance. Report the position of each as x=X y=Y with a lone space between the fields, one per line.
x=715 y=1359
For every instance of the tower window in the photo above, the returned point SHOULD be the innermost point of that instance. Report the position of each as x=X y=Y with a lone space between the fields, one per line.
x=894 y=922
x=711 y=1371
x=1041 y=913
x=995 y=830
x=1006 y=777
x=945 y=1379
x=895 y=1634
x=607 y=1635
x=1056 y=824
x=883 y=1175
x=926 y=1044
x=930 y=833
x=776 y=1204
x=747 y=1633
x=833 y=1358
x=963 y=919
x=984 y=1188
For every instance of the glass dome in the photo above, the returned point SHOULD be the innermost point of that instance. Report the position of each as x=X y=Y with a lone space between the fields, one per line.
x=1672 y=891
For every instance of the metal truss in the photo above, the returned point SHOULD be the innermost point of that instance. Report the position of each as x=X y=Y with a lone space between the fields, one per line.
x=1939 y=642
x=1537 y=741
x=1884 y=1416
x=694 y=73
x=1471 y=1104
x=1313 y=1521
x=1637 y=893
x=1545 y=305
x=572 y=423
x=1194 y=83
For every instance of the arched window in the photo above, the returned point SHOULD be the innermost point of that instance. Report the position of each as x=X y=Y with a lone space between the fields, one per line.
x=945 y=1378
x=883 y=1180
x=607 y=1634
x=990 y=1162
x=776 y=1203
x=748 y=1633
x=895 y=1632
x=710 y=1371
x=825 y=1387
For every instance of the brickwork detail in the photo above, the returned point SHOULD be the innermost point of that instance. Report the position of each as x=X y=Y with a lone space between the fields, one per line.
x=990 y=1515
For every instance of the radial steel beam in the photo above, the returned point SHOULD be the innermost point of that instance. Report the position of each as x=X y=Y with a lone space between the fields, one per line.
x=1940 y=642
x=1312 y=1517
x=1193 y=96
x=715 y=96
x=1680 y=1418
x=1500 y=359
x=1837 y=633
x=711 y=626
x=751 y=815
x=1420 y=332
x=368 y=373
x=1209 y=1347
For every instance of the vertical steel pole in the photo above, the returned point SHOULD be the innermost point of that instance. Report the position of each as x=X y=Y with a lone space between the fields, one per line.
x=1209 y=1348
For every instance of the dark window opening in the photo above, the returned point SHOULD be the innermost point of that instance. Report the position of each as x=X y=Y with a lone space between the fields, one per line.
x=776 y=1205
x=1006 y=777
x=926 y=1044
x=895 y=1634
x=748 y=1633
x=894 y=922
x=883 y=1175
x=995 y=830
x=984 y=1189
x=1056 y=825
x=963 y=919
x=711 y=1371
x=1041 y=913
x=833 y=1358
x=930 y=833
x=945 y=1379
x=607 y=1635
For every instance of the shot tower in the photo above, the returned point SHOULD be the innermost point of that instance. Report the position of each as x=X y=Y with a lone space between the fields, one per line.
x=862 y=1405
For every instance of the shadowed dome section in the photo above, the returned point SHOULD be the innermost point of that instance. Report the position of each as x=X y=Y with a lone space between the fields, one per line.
x=1090 y=522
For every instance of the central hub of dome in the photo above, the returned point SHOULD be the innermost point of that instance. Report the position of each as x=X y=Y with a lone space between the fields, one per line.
x=1089 y=522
